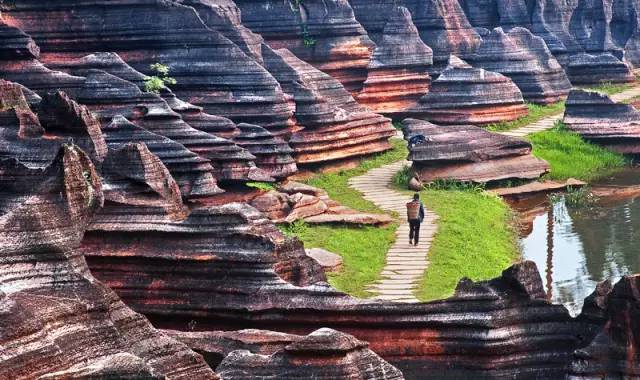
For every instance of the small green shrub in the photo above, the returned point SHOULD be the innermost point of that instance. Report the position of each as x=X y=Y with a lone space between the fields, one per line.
x=262 y=185
x=401 y=179
x=156 y=83
x=453 y=185
x=575 y=197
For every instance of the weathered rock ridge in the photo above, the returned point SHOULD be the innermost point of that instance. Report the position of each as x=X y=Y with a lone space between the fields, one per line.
x=57 y=321
x=469 y=153
x=466 y=95
x=599 y=119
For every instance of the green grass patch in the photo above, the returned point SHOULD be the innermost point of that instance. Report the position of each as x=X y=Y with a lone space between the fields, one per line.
x=536 y=112
x=475 y=239
x=610 y=88
x=363 y=250
x=262 y=185
x=572 y=157
x=336 y=184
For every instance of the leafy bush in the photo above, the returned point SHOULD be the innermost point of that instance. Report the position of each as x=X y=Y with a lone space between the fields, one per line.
x=262 y=185
x=156 y=83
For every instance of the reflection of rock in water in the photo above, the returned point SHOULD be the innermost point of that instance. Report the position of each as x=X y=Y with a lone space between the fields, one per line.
x=609 y=239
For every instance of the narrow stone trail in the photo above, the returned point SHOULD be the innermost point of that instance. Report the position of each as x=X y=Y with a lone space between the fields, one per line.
x=548 y=122
x=406 y=263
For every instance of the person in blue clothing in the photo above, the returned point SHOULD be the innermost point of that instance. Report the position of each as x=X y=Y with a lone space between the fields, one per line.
x=415 y=216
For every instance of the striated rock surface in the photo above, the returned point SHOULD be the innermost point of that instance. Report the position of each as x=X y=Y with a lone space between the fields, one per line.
x=192 y=172
x=19 y=62
x=527 y=61
x=466 y=95
x=398 y=71
x=599 y=68
x=163 y=32
x=469 y=153
x=613 y=352
x=323 y=354
x=273 y=155
x=442 y=25
x=599 y=119
x=109 y=96
x=323 y=33
x=337 y=128
x=56 y=320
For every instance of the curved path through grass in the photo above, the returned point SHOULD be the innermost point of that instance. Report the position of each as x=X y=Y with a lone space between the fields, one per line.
x=406 y=263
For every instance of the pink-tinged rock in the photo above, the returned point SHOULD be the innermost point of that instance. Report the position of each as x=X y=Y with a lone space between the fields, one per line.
x=466 y=95
x=469 y=153
x=329 y=261
x=442 y=25
x=337 y=128
x=398 y=71
x=57 y=321
x=210 y=70
x=273 y=155
x=526 y=60
x=322 y=33
x=323 y=354
x=597 y=118
x=597 y=68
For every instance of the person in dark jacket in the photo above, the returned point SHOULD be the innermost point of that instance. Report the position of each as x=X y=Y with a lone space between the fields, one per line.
x=415 y=216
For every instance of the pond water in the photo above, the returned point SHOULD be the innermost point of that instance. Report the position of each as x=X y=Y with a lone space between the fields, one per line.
x=577 y=247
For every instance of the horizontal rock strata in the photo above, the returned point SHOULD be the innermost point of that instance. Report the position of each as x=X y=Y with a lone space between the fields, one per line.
x=527 y=61
x=322 y=33
x=57 y=321
x=469 y=153
x=466 y=95
x=273 y=155
x=336 y=126
x=598 y=68
x=167 y=33
x=398 y=71
x=600 y=120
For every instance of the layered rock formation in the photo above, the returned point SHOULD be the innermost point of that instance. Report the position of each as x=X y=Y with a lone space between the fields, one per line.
x=613 y=352
x=293 y=201
x=337 y=128
x=600 y=120
x=273 y=155
x=469 y=153
x=466 y=95
x=525 y=59
x=398 y=71
x=601 y=68
x=322 y=33
x=339 y=356
x=167 y=33
x=442 y=25
x=57 y=321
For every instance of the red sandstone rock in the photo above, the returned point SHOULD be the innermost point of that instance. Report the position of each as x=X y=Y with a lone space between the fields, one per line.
x=322 y=33
x=398 y=74
x=210 y=70
x=323 y=354
x=469 y=153
x=56 y=320
x=466 y=95
x=599 y=119
x=336 y=127
x=525 y=59
x=442 y=25
x=273 y=155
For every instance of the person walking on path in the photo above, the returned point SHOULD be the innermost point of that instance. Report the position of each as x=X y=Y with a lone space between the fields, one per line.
x=415 y=216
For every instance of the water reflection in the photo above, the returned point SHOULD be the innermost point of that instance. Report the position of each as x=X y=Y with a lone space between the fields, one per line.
x=575 y=248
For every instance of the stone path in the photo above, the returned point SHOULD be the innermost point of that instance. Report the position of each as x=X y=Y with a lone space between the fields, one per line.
x=549 y=122
x=405 y=263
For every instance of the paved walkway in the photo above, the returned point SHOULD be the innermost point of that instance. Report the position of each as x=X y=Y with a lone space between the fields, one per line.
x=405 y=263
x=549 y=122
